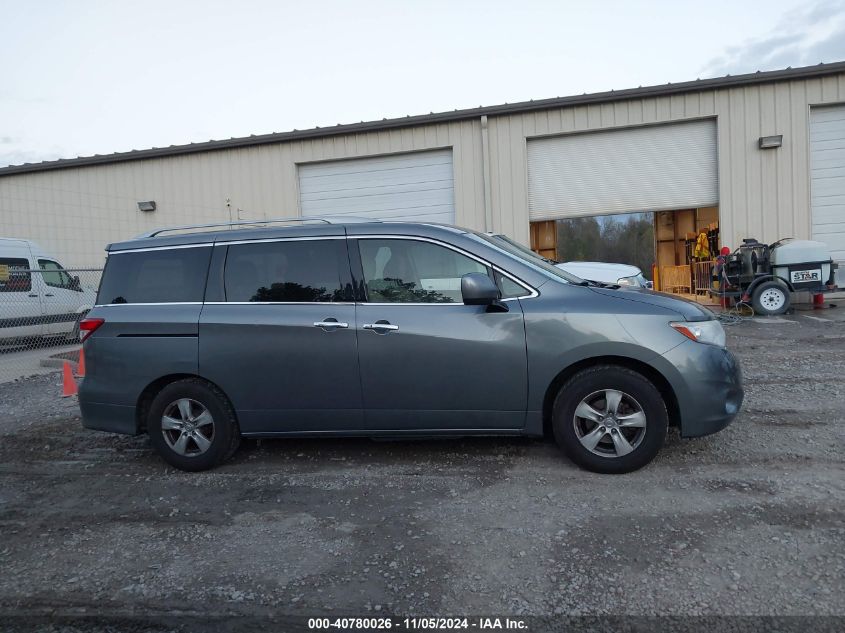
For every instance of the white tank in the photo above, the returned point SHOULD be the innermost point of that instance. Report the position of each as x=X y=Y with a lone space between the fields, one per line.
x=795 y=253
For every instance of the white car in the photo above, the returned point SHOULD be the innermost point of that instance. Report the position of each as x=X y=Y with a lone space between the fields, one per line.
x=38 y=297
x=603 y=272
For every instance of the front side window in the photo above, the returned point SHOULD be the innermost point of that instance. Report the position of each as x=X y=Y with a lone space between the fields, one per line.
x=410 y=271
x=54 y=275
x=526 y=256
x=298 y=271
x=15 y=275
x=509 y=288
x=175 y=275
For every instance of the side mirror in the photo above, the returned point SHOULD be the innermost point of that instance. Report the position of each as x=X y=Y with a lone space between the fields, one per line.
x=74 y=283
x=477 y=289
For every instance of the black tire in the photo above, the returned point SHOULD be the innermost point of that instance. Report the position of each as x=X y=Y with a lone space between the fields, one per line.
x=638 y=394
x=220 y=443
x=770 y=298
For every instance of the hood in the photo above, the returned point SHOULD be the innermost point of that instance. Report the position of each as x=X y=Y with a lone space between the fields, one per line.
x=689 y=310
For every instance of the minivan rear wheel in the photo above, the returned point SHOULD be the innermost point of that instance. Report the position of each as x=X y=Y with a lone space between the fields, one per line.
x=192 y=425
x=610 y=419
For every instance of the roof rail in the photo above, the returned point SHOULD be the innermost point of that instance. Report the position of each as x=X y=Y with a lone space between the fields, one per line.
x=186 y=227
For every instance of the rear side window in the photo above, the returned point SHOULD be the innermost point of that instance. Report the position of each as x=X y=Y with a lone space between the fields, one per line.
x=175 y=275
x=15 y=275
x=301 y=271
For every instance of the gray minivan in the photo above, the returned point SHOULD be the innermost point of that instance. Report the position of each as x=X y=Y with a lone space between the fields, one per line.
x=390 y=329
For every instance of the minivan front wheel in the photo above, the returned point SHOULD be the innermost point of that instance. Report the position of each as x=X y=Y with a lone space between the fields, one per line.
x=610 y=419
x=192 y=425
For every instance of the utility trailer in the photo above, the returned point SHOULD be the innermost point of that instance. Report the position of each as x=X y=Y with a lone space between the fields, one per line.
x=764 y=275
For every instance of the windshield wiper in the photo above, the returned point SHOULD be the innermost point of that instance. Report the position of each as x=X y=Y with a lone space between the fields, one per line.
x=597 y=284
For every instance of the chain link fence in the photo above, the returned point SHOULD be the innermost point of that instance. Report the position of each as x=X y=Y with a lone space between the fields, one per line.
x=40 y=311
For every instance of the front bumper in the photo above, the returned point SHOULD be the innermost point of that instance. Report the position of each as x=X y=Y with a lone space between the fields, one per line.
x=708 y=387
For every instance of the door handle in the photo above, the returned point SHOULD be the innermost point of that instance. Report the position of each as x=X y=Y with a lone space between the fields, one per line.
x=381 y=327
x=31 y=295
x=330 y=325
x=49 y=294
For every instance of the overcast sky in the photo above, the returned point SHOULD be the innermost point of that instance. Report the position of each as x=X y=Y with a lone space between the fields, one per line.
x=89 y=77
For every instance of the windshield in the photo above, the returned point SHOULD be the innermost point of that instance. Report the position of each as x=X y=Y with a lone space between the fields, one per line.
x=528 y=256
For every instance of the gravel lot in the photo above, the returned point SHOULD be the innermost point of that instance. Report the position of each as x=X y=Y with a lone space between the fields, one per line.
x=750 y=521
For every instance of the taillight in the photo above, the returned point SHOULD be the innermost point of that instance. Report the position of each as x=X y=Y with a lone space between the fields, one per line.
x=87 y=327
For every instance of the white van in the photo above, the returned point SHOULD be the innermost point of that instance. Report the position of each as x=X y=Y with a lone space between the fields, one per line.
x=38 y=297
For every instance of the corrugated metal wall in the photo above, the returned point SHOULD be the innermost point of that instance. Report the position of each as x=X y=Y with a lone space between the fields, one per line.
x=762 y=193
x=75 y=213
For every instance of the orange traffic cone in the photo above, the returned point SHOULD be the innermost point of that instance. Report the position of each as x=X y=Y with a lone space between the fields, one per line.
x=80 y=368
x=68 y=383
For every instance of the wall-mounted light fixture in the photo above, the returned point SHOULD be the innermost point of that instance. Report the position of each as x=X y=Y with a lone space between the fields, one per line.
x=149 y=205
x=770 y=142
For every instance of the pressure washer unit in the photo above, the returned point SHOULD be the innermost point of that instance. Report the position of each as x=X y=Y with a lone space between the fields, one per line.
x=766 y=274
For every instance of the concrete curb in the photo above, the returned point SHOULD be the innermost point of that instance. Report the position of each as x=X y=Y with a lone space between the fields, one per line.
x=58 y=360
x=57 y=363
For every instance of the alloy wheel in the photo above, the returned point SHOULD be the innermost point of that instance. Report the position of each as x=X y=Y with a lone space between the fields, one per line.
x=610 y=423
x=188 y=427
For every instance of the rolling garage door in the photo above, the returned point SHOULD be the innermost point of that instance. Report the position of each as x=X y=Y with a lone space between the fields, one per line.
x=827 y=170
x=671 y=166
x=417 y=187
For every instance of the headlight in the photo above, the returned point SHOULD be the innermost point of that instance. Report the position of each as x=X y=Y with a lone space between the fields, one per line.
x=710 y=332
x=629 y=281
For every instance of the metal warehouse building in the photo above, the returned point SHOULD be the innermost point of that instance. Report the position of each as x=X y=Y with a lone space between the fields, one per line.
x=760 y=155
